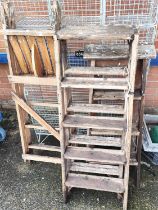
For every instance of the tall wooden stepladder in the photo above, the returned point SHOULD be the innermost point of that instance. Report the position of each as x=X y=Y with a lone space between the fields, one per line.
x=105 y=165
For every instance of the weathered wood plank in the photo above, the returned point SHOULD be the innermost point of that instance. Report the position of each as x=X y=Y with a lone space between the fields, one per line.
x=18 y=53
x=96 y=140
x=37 y=66
x=95 y=83
x=18 y=32
x=106 y=71
x=26 y=51
x=75 y=121
x=31 y=80
x=95 y=182
x=106 y=52
x=119 y=32
x=96 y=108
x=50 y=44
x=45 y=55
x=44 y=147
x=45 y=159
x=97 y=155
x=94 y=168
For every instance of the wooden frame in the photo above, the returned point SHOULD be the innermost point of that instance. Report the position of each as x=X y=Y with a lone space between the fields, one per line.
x=20 y=59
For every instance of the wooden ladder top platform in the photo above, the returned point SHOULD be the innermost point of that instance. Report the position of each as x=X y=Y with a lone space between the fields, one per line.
x=110 y=32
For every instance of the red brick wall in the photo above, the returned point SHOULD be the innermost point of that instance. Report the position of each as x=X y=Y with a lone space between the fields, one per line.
x=5 y=87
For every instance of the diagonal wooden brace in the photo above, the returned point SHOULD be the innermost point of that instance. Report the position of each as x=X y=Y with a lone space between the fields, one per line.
x=31 y=112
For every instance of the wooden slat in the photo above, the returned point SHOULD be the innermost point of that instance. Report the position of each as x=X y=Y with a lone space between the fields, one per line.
x=45 y=55
x=18 y=32
x=97 y=155
x=31 y=80
x=96 y=108
x=95 y=168
x=31 y=112
x=50 y=44
x=75 y=121
x=113 y=95
x=95 y=83
x=18 y=53
x=31 y=41
x=45 y=159
x=96 y=140
x=119 y=32
x=135 y=132
x=38 y=127
x=26 y=51
x=106 y=52
x=106 y=71
x=37 y=66
x=95 y=182
x=44 y=147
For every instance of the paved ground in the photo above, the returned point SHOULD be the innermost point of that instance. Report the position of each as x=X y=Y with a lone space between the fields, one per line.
x=38 y=186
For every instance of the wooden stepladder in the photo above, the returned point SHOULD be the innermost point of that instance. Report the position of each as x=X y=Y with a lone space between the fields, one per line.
x=92 y=161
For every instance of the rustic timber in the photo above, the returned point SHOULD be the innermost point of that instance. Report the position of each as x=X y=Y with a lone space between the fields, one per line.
x=37 y=66
x=114 y=52
x=75 y=121
x=105 y=33
x=44 y=147
x=105 y=71
x=32 y=80
x=97 y=155
x=97 y=83
x=46 y=159
x=95 y=182
x=96 y=140
x=95 y=168
x=96 y=108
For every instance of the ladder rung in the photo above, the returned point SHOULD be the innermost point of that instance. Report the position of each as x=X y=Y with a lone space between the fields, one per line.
x=96 y=168
x=105 y=71
x=75 y=121
x=95 y=182
x=46 y=159
x=135 y=132
x=95 y=83
x=95 y=154
x=96 y=140
x=108 y=95
x=44 y=147
x=96 y=108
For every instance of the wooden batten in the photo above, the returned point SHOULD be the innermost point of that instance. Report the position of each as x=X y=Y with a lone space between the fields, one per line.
x=37 y=66
x=31 y=112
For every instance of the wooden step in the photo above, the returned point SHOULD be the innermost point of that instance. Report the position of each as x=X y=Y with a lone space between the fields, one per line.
x=111 y=32
x=44 y=147
x=103 y=132
x=95 y=83
x=113 y=95
x=76 y=121
x=40 y=158
x=96 y=108
x=95 y=182
x=96 y=140
x=113 y=52
x=106 y=52
x=105 y=71
x=108 y=156
x=95 y=168
x=108 y=95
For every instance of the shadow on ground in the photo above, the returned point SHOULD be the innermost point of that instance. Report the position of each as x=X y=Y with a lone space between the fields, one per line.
x=37 y=186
